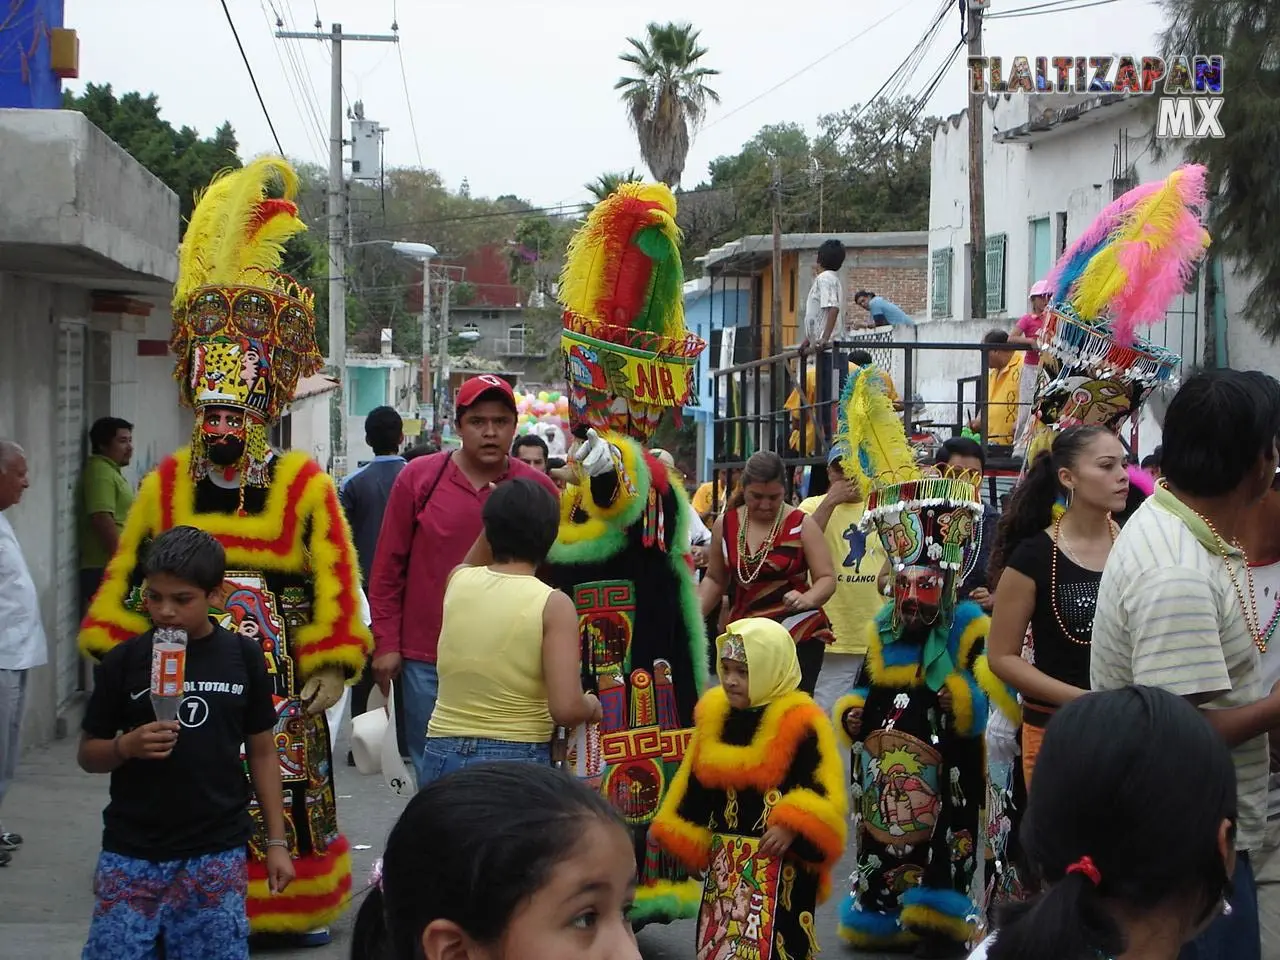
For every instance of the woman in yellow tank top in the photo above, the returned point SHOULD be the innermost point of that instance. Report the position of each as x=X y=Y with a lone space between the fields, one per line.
x=508 y=657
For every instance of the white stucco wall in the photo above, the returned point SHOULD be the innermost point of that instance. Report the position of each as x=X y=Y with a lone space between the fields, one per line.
x=309 y=427
x=1068 y=171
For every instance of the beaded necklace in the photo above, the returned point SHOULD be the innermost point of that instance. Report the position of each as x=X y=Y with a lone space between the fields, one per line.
x=1053 y=579
x=1246 y=596
x=745 y=559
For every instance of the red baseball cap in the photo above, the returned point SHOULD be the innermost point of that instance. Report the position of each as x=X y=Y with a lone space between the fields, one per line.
x=485 y=387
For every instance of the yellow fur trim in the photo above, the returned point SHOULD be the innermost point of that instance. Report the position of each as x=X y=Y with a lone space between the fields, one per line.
x=285 y=920
x=850 y=701
x=868 y=941
x=972 y=641
x=764 y=761
x=311 y=886
x=574 y=531
x=961 y=703
x=1001 y=696
x=904 y=675
x=628 y=460
x=918 y=916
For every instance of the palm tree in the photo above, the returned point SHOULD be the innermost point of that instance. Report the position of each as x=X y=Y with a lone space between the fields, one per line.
x=1243 y=186
x=667 y=96
x=605 y=184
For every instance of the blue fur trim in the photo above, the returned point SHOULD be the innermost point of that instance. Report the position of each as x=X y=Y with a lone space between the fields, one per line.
x=880 y=925
x=947 y=902
x=966 y=612
x=981 y=705
x=862 y=692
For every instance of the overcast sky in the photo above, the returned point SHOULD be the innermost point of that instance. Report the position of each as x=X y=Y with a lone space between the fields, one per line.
x=516 y=96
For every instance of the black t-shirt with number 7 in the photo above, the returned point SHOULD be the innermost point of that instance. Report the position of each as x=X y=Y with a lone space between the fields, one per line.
x=195 y=801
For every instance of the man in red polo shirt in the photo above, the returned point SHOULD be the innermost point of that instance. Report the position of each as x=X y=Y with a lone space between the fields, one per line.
x=431 y=522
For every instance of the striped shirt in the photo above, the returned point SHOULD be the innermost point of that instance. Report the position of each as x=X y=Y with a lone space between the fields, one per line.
x=1168 y=616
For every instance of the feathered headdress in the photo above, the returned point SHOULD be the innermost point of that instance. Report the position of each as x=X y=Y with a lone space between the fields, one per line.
x=243 y=333
x=927 y=516
x=1119 y=276
x=627 y=352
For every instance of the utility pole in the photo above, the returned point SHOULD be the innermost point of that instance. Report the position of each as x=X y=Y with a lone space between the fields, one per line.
x=977 y=173
x=337 y=220
x=426 y=334
x=442 y=398
x=775 y=306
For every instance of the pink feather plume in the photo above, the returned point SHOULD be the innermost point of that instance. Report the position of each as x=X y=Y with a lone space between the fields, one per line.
x=1098 y=231
x=1142 y=480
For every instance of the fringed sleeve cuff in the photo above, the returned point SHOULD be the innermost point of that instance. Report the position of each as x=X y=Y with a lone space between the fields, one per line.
x=1003 y=697
x=853 y=700
x=337 y=635
x=968 y=704
x=109 y=620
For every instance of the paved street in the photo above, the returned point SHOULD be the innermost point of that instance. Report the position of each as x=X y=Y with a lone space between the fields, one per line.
x=46 y=892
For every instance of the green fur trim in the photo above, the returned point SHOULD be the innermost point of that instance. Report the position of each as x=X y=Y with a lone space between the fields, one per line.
x=690 y=607
x=614 y=541
x=668 y=901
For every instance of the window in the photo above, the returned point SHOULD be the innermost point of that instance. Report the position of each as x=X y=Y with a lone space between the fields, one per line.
x=940 y=274
x=489 y=315
x=366 y=389
x=471 y=325
x=1041 y=249
x=515 y=338
x=1061 y=246
x=995 y=273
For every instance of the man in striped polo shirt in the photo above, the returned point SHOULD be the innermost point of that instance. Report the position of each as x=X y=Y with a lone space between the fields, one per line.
x=1173 y=608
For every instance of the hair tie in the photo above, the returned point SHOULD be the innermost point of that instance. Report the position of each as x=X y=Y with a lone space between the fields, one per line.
x=375 y=874
x=1085 y=866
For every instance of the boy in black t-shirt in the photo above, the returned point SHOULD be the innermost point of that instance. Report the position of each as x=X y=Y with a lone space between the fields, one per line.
x=174 y=834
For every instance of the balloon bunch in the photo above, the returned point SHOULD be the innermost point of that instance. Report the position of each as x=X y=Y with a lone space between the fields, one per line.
x=546 y=414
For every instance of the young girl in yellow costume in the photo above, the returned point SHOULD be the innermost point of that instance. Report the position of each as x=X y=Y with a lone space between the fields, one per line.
x=243 y=334
x=758 y=803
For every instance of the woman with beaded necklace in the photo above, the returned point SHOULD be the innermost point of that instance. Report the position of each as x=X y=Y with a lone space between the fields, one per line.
x=1048 y=564
x=772 y=561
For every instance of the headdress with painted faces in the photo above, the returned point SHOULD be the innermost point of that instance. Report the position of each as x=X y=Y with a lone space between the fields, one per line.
x=627 y=353
x=1121 y=275
x=929 y=520
x=243 y=333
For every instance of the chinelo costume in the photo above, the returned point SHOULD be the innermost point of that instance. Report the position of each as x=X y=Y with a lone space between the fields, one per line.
x=622 y=552
x=1122 y=274
x=243 y=334
x=923 y=693
x=772 y=764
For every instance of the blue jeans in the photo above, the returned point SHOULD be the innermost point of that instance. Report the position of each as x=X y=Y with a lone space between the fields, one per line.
x=445 y=755
x=1238 y=936
x=420 y=687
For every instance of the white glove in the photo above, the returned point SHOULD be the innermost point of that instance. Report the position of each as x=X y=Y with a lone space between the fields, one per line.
x=594 y=456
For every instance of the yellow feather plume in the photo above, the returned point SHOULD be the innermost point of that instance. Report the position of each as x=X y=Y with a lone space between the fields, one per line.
x=225 y=244
x=873 y=436
x=1154 y=221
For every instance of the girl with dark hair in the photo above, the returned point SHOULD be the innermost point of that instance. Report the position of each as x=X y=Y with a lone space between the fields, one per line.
x=1113 y=762
x=772 y=560
x=497 y=862
x=1048 y=564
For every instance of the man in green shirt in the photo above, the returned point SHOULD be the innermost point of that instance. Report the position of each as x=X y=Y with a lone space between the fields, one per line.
x=105 y=499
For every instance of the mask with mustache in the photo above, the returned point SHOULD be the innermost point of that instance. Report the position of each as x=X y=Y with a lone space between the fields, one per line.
x=225 y=450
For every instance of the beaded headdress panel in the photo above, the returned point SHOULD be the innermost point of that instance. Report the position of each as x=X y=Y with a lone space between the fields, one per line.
x=627 y=353
x=243 y=333
x=926 y=517
x=1138 y=255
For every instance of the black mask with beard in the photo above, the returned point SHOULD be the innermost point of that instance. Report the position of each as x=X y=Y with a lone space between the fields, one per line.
x=225 y=451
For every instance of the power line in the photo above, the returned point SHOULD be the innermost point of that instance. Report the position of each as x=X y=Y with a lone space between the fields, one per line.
x=299 y=100
x=413 y=126
x=1040 y=10
x=252 y=79
x=806 y=68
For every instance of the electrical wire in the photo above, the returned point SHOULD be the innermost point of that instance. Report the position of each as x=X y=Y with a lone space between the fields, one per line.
x=252 y=79
x=308 y=128
x=807 y=67
x=413 y=125
x=1041 y=10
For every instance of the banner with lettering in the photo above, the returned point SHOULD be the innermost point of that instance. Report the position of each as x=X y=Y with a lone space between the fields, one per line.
x=642 y=376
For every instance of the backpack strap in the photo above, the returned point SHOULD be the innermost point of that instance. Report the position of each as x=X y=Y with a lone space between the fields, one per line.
x=421 y=504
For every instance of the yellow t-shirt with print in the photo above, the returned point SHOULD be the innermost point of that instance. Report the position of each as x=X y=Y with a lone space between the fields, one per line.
x=856 y=559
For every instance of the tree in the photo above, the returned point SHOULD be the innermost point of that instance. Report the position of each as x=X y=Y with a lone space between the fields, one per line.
x=1243 y=188
x=667 y=97
x=182 y=159
x=605 y=184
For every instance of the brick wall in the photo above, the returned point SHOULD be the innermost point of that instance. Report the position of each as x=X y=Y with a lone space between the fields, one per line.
x=899 y=274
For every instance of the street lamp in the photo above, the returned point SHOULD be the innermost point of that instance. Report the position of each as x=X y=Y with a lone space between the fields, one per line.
x=425 y=253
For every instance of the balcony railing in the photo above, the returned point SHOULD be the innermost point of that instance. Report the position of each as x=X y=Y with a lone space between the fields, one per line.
x=517 y=347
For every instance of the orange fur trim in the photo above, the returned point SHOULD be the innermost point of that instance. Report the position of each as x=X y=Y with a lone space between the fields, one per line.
x=763 y=763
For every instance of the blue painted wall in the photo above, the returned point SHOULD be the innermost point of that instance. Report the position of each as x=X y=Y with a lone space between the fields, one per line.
x=26 y=80
x=703 y=314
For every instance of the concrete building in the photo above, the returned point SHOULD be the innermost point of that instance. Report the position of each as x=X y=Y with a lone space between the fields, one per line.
x=88 y=242
x=374 y=380
x=306 y=423
x=1051 y=164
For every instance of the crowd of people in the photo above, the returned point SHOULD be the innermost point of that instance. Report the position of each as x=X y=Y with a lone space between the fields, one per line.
x=624 y=705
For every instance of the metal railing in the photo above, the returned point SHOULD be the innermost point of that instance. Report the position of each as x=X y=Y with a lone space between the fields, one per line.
x=517 y=347
x=750 y=404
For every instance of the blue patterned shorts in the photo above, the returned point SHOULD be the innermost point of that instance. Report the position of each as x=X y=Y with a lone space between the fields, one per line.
x=196 y=907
